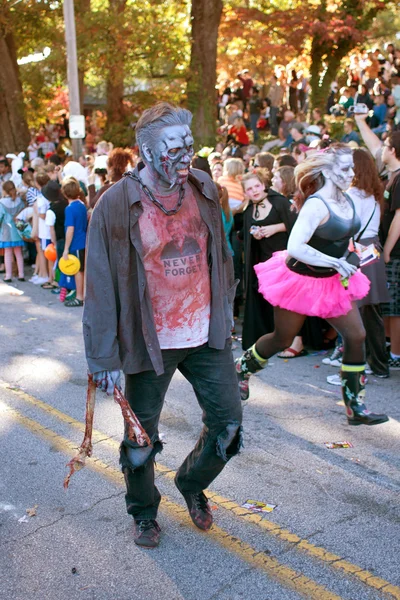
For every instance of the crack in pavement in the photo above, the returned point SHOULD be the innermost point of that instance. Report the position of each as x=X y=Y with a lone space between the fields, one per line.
x=60 y=518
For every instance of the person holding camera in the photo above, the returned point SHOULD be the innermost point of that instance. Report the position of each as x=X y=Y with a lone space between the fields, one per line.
x=387 y=157
x=318 y=276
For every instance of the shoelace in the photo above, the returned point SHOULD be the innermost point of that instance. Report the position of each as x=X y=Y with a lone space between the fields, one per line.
x=200 y=501
x=146 y=524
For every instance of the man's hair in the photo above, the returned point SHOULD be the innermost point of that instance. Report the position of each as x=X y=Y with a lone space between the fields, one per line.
x=42 y=178
x=287 y=160
x=71 y=188
x=394 y=141
x=350 y=122
x=9 y=187
x=162 y=114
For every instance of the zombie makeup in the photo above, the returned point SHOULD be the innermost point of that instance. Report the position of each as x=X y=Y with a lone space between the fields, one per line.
x=169 y=158
x=342 y=173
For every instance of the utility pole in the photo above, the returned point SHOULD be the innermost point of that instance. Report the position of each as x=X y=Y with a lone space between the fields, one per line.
x=76 y=133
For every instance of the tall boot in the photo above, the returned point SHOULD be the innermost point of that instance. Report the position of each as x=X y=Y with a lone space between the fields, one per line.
x=250 y=362
x=353 y=390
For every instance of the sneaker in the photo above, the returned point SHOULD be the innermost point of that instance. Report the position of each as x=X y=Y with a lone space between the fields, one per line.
x=74 y=302
x=394 y=364
x=33 y=278
x=147 y=533
x=71 y=295
x=40 y=280
x=199 y=510
x=335 y=359
x=334 y=379
x=337 y=380
x=56 y=290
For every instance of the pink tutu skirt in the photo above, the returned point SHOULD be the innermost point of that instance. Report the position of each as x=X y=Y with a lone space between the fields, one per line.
x=311 y=296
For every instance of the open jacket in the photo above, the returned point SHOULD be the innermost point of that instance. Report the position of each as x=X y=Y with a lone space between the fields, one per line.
x=118 y=322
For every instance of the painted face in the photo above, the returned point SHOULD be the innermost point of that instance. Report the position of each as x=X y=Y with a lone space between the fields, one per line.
x=254 y=189
x=171 y=155
x=342 y=173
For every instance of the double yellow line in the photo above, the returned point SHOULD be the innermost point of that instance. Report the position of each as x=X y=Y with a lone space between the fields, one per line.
x=281 y=573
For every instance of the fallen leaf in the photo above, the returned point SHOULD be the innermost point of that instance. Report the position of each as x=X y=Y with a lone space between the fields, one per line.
x=31 y=512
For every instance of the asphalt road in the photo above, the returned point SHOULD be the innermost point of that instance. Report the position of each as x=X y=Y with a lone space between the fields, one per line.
x=335 y=530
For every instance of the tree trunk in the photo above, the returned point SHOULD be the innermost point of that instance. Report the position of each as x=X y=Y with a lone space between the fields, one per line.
x=206 y=16
x=14 y=133
x=116 y=76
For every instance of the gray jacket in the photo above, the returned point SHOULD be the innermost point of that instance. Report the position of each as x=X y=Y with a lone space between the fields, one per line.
x=118 y=322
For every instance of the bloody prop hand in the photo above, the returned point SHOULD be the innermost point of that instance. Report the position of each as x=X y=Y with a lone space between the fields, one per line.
x=107 y=380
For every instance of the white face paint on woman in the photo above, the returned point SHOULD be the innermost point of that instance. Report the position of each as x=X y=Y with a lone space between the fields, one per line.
x=342 y=173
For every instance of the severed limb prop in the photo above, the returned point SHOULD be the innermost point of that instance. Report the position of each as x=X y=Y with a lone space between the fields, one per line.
x=134 y=429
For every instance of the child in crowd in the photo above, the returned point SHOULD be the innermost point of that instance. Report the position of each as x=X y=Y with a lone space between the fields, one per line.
x=10 y=240
x=75 y=233
x=45 y=273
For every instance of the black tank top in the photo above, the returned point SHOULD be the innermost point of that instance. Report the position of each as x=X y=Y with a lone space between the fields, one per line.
x=331 y=238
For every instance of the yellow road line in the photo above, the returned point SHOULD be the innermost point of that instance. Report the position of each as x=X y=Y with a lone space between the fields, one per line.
x=317 y=552
x=282 y=574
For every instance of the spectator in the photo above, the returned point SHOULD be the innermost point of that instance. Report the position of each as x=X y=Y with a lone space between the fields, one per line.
x=283 y=182
x=293 y=92
x=227 y=217
x=349 y=134
x=366 y=192
x=238 y=132
x=45 y=273
x=247 y=84
x=32 y=192
x=119 y=161
x=47 y=146
x=297 y=133
x=75 y=234
x=10 y=239
x=216 y=170
x=5 y=171
x=231 y=178
x=275 y=96
x=254 y=103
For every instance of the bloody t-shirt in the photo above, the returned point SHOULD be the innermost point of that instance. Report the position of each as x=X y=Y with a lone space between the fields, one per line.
x=175 y=261
x=392 y=203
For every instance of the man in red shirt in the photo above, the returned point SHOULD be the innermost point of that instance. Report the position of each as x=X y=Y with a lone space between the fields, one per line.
x=247 y=83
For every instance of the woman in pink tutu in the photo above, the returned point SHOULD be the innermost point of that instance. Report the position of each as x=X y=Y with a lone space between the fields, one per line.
x=318 y=277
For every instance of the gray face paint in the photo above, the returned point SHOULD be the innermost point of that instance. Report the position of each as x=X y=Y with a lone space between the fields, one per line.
x=171 y=155
x=342 y=173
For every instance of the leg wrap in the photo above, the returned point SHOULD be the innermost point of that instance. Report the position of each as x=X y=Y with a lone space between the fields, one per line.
x=353 y=390
x=250 y=362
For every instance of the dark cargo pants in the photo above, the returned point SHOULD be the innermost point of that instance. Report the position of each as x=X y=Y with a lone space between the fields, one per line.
x=212 y=374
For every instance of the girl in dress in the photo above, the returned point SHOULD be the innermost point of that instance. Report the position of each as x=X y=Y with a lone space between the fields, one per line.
x=10 y=239
x=317 y=276
x=267 y=222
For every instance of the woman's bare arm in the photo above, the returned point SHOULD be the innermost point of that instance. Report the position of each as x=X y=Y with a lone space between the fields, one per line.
x=310 y=217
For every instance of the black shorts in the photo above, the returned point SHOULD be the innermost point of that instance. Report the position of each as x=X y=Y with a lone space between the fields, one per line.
x=81 y=254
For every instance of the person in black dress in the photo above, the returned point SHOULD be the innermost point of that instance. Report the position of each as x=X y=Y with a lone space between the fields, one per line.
x=267 y=222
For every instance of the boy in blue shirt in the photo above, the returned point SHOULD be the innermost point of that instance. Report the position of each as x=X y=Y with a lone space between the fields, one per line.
x=75 y=233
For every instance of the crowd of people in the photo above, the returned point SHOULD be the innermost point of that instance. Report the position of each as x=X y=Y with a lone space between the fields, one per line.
x=247 y=107
x=49 y=199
